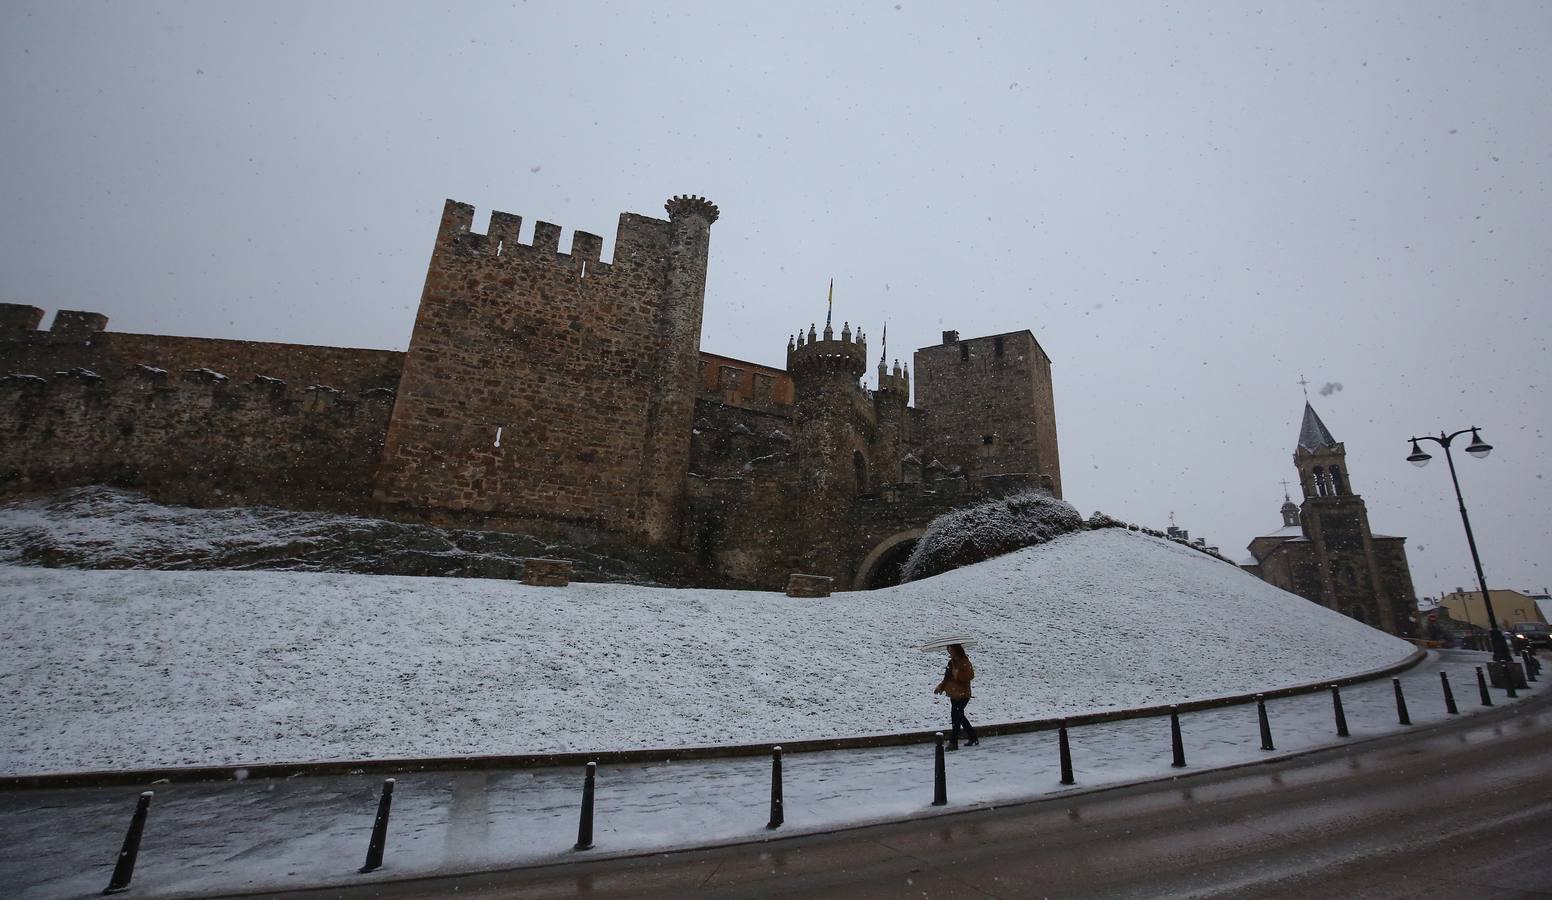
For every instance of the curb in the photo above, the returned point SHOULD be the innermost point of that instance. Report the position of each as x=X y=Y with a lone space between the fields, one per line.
x=660 y=754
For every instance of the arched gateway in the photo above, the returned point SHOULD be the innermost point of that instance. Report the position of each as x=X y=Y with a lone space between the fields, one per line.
x=881 y=567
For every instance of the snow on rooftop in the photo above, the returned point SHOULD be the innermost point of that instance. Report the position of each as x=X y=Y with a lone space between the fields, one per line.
x=115 y=669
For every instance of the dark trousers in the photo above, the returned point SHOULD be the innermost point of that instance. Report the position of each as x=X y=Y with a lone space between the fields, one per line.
x=957 y=716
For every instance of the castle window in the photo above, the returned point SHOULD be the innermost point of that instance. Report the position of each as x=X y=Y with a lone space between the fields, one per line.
x=860 y=471
x=964 y=351
x=997 y=346
x=1337 y=485
x=1320 y=481
x=987 y=439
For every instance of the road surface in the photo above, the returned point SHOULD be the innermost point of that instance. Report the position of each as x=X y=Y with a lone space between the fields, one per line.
x=1462 y=810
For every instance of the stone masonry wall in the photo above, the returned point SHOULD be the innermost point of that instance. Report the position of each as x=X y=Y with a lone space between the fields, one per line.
x=191 y=420
x=972 y=392
x=588 y=369
x=191 y=439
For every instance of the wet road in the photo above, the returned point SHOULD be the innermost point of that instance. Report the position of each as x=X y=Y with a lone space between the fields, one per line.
x=1462 y=810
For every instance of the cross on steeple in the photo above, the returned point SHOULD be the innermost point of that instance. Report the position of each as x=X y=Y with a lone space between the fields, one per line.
x=1305 y=385
x=1285 y=488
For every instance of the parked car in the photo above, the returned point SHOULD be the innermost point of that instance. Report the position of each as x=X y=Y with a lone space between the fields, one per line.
x=1536 y=634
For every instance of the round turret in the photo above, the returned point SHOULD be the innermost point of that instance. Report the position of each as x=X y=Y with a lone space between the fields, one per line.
x=687 y=205
x=820 y=355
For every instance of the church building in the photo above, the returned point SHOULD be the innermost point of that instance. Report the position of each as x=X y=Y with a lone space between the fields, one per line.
x=1325 y=550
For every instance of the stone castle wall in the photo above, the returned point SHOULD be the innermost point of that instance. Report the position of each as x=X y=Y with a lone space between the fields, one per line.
x=190 y=420
x=546 y=393
x=587 y=369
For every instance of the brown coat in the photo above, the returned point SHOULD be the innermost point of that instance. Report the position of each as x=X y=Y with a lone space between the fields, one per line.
x=957 y=678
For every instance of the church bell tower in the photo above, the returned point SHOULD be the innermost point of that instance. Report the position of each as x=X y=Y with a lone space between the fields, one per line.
x=1337 y=523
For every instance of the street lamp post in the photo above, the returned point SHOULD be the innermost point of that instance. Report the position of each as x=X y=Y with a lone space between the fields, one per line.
x=1478 y=448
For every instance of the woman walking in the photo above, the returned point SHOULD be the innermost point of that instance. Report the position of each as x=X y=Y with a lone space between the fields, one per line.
x=956 y=684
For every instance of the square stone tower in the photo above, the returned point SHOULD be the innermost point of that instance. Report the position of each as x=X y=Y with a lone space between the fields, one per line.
x=542 y=385
x=989 y=403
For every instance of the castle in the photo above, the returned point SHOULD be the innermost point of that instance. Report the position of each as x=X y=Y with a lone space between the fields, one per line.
x=1325 y=550
x=555 y=394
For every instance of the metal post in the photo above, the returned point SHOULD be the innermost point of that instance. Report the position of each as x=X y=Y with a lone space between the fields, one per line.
x=777 y=813
x=1500 y=645
x=1449 y=695
x=1177 y=748
x=1487 y=699
x=1507 y=668
x=1530 y=667
x=939 y=776
x=1401 y=709
x=585 y=824
x=1066 y=753
x=1266 y=726
x=1341 y=716
x=374 y=849
x=124 y=869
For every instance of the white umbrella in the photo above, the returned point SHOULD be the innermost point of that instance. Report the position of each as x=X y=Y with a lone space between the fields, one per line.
x=945 y=642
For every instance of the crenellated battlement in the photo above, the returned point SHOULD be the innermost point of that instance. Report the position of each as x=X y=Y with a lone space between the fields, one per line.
x=692 y=205
x=894 y=385
x=848 y=353
x=500 y=240
x=19 y=321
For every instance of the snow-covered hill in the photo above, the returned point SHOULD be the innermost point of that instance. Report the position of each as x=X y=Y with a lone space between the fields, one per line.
x=134 y=668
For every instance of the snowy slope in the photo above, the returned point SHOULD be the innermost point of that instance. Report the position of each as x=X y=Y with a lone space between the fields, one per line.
x=137 y=668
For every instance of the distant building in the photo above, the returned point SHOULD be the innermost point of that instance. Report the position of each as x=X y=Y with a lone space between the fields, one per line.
x=1509 y=606
x=1325 y=551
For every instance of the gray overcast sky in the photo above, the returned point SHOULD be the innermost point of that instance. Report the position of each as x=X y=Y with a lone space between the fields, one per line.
x=1190 y=205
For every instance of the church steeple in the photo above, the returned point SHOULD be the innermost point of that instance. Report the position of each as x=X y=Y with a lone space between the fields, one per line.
x=1314 y=436
x=1321 y=460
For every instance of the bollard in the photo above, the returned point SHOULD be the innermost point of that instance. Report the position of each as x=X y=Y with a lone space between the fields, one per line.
x=585 y=824
x=1530 y=664
x=1066 y=753
x=1341 y=716
x=1487 y=699
x=777 y=816
x=1266 y=727
x=1401 y=710
x=1508 y=677
x=374 y=849
x=124 y=869
x=939 y=777
x=1175 y=745
x=1449 y=695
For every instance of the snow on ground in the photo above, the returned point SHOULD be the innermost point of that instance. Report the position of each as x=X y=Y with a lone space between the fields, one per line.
x=127 y=669
x=293 y=833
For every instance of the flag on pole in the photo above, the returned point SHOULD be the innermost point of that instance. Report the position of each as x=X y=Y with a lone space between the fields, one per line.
x=885 y=351
x=830 y=303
